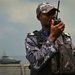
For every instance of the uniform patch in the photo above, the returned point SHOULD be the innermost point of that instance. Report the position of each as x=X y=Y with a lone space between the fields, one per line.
x=31 y=33
x=67 y=34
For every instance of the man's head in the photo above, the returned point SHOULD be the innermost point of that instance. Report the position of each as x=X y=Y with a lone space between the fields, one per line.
x=45 y=13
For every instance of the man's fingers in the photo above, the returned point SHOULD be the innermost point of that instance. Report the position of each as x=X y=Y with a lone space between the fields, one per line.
x=52 y=22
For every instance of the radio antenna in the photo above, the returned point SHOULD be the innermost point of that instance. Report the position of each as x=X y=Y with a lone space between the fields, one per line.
x=58 y=9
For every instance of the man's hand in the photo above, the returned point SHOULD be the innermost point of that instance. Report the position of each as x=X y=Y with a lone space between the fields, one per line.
x=56 y=30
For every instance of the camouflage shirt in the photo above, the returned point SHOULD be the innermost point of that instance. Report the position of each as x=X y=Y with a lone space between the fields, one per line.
x=38 y=57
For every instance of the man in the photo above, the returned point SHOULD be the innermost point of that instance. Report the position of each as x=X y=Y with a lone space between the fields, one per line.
x=40 y=55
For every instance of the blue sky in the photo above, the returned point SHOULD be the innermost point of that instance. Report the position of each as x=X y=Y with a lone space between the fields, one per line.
x=18 y=17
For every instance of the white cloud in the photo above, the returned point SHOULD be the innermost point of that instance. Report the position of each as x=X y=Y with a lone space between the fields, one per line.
x=8 y=30
x=18 y=11
x=8 y=1
x=21 y=12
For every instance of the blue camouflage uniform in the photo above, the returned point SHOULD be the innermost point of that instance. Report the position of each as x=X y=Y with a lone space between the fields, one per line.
x=39 y=58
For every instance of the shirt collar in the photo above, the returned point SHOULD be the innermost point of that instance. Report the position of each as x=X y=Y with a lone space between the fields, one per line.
x=46 y=33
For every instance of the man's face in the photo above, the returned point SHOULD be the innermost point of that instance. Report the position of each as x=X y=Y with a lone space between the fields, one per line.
x=45 y=18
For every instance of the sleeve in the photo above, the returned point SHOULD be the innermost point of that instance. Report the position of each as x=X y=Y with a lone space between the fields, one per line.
x=38 y=57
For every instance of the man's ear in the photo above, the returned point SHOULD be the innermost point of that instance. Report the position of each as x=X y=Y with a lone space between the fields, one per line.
x=38 y=17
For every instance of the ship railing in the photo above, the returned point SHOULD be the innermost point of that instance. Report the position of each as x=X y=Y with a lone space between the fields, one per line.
x=14 y=69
